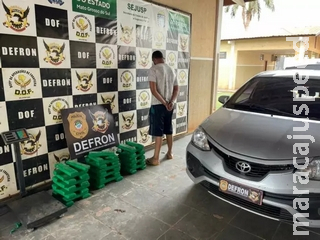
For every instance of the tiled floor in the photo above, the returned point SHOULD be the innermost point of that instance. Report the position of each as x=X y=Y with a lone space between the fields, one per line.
x=158 y=203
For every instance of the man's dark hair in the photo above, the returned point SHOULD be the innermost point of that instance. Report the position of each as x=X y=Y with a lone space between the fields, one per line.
x=157 y=55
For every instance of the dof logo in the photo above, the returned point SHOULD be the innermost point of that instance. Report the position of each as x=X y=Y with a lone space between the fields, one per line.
x=172 y=59
x=182 y=77
x=159 y=39
x=144 y=98
x=83 y=27
x=22 y=80
x=107 y=56
x=55 y=108
x=126 y=79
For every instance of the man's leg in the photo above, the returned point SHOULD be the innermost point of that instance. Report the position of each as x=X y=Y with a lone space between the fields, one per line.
x=170 y=144
x=168 y=131
x=158 y=144
x=156 y=130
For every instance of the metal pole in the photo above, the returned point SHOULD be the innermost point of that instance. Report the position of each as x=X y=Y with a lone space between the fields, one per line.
x=21 y=182
x=216 y=55
x=232 y=66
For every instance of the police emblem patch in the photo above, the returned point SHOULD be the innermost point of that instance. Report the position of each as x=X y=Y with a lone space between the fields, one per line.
x=78 y=125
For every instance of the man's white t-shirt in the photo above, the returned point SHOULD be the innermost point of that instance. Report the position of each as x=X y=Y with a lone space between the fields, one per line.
x=165 y=80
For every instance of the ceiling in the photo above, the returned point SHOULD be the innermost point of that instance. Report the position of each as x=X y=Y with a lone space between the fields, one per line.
x=230 y=2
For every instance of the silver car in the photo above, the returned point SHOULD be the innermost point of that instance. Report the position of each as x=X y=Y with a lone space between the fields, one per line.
x=261 y=150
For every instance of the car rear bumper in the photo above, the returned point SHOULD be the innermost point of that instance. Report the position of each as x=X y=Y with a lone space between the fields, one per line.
x=207 y=169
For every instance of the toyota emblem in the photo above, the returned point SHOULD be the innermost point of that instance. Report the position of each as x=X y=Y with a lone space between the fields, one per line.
x=243 y=167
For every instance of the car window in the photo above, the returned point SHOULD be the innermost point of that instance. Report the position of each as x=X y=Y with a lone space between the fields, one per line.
x=277 y=96
x=245 y=95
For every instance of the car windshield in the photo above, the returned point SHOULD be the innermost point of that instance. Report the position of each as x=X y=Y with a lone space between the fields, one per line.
x=278 y=96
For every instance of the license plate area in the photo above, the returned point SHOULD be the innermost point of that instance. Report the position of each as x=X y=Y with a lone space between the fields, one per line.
x=244 y=192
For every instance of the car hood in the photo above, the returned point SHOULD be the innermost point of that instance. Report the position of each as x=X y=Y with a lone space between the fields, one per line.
x=260 y=136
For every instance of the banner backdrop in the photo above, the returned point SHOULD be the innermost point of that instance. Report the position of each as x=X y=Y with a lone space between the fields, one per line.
x=60 y=54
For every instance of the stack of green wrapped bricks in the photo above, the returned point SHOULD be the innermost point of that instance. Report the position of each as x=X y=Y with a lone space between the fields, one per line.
x=140 y=153
x=70 y=182
x=132 y=157
x=104 y=168
x=72 y=179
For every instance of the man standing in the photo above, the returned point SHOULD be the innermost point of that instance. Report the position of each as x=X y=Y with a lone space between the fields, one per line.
x=164 y=89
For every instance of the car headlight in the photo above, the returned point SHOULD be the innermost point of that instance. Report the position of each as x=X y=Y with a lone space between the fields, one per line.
x=199 y=139
x=313 y=169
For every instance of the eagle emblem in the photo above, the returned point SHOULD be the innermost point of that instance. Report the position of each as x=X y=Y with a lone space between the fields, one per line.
x=57 y=107
x=181 y=109
x=159 y=39
x=84 y=81
x=54 y=53
x=144 y=134
x=182 y=77
x=82 y=25
x=143 y=97
x=61 y=158
x=144 y=58
x=109 y=100
x=126 y=34
x=183 y=43
x=17 y=18
x=254 y=196
x=100 y=121
x=31 y=145
x=128 y=121
x=107 y=54
x=22 y=81
x=126 y=78
x=172 y=59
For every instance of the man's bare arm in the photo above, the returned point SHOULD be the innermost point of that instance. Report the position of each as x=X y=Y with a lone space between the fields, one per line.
x=175 y=93
x=154 y=91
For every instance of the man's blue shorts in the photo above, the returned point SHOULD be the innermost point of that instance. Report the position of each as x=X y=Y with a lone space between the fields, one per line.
x=160 y=120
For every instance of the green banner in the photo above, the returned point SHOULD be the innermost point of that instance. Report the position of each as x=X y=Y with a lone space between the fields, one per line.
x=98 y=8
x=179 y=23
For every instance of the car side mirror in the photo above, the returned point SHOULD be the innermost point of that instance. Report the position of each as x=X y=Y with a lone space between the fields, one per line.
x=223 y=99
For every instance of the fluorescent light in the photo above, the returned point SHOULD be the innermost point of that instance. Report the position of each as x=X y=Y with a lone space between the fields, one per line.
x=240 y=2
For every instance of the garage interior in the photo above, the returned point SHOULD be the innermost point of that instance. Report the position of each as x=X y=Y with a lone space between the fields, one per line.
x=162 y=203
